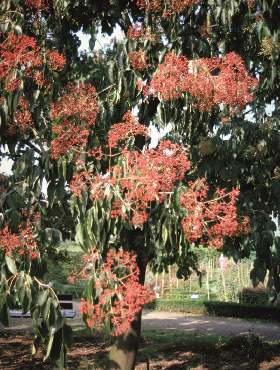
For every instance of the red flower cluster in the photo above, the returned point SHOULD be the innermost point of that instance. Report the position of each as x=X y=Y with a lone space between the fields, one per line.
x=220 y=80
x=78 y=103
x=56 y=61
x=125 y=130
x=39 y=5
x=80 y=182
x=211 y=221
x=141 y=178
x=22 y=244
x=154 y=6
x=18 y=53
x=211 y=81
x=69 y=137
x=138 y=179
x=167 y=7
x=76 y=110
x=143 y=87
x=120 y=295
x=138 y=60
x=169 y=80
x=250 y=4
x=135 y=32
x=178 y=7
x=22 y=118
x=21 y=55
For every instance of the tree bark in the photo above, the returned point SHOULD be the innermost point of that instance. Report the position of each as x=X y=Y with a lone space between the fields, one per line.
x=123 y=352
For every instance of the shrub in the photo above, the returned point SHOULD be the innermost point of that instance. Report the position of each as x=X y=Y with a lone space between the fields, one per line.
x=249 y=311
x=179 y=305
x=254 y=295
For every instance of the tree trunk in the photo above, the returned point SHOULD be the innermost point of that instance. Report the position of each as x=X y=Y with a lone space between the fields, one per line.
x=123 y=352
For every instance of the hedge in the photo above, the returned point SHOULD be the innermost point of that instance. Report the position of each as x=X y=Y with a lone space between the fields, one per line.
x=178 y=305
x=248 y=311
x=217 y=308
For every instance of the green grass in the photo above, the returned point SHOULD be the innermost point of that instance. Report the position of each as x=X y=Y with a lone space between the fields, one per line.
x=180 y=339
x=187 y=306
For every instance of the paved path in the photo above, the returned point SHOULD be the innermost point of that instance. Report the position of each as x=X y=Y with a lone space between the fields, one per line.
x=199 y=324
x=208 y=325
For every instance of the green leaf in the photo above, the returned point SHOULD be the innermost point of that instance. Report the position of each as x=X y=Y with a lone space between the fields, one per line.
x=26 y=300
x=33 y=350
x=46 y=312
x=57 y=325
x=164 y=234
x=11 y=264
x=42 y=298
x=67 y=335
x=53 y=236
x=4 y=315
x=49 y=348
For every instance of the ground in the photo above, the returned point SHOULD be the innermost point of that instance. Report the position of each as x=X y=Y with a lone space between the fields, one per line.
x=158 y=350
x=170 y=341
x=200 y=324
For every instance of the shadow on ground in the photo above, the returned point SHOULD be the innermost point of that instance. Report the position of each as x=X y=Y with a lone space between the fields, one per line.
x=158 y=350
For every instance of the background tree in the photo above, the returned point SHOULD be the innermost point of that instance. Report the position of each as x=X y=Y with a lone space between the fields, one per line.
x=44 y=128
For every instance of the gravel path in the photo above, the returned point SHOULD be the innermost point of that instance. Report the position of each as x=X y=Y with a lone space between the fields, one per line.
x=199 y=324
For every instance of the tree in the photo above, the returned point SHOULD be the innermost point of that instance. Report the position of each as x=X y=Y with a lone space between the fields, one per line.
x=66 y=119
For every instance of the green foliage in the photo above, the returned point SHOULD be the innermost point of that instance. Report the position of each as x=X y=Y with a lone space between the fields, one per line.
x=258 y=295
x=243 y=154
x=246 y=311
x=182 y=305
x=179 y=339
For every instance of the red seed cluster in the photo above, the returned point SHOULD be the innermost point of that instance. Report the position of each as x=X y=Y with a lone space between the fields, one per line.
x=138 y=60
x=21 y=58
x=211 y=221
x=22 y=244
x=56 y=61
x=76 y=109
x=68 y=137
x=138 y=32
x=143 y=87
x=125 y=130
x=153 y=6
x=22 y=117
x=120 y=296
x=18 y=53
x=38 y=5
x=178 y=7
x=166 y=7
x=211 y=81
x=135 y=32
x=78 y=103
x=168 y=81
x=250 y=4
x=80 y=183
x=139 y=178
